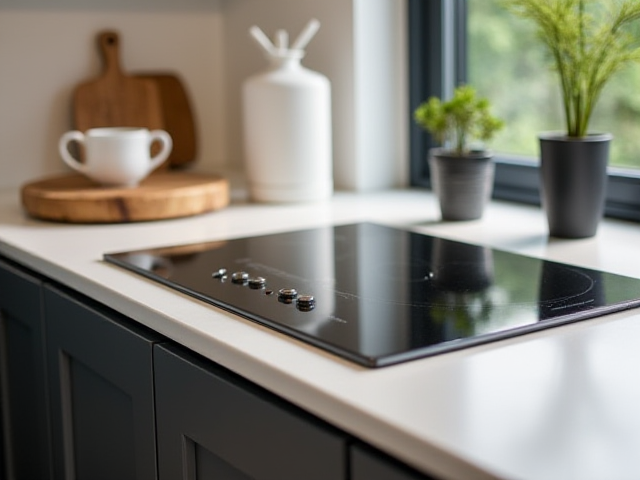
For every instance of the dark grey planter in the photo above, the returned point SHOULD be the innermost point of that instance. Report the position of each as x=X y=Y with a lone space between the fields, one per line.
x=573 y=183
x=463 y=184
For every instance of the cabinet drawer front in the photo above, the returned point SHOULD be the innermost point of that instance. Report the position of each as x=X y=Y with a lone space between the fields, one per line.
x=214 y=424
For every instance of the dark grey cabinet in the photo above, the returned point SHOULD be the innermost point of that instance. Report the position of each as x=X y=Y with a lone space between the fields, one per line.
x=86 y=393
x=24 y=416
x=370 y=464
x=101 y=388
x=213 y=424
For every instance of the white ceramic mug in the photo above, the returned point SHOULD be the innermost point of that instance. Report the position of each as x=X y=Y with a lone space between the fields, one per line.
x=116 y=156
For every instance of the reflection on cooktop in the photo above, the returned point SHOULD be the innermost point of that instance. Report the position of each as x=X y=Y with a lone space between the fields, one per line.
x=380 y=295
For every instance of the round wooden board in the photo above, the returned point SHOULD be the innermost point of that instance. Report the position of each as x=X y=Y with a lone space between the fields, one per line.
x=76 y=199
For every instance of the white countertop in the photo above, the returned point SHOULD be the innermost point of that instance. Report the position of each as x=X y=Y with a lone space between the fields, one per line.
x=558 y=404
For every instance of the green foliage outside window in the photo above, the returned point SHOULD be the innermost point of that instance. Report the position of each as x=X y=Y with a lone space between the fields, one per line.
x=509 y=65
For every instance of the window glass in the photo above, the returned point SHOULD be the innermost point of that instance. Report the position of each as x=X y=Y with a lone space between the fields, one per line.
x=509 y=65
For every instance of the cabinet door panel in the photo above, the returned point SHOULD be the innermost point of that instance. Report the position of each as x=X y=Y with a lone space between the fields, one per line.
x=208 y=465
x=214 y=425
x=101 y=382
x=23 y=397
x=369 y=464
x=92 y=393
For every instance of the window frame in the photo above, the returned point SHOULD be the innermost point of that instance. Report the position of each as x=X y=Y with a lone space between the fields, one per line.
x=437 y=62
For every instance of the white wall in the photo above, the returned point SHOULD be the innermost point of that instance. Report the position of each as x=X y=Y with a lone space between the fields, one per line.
x=45 y=52
x=381 y=95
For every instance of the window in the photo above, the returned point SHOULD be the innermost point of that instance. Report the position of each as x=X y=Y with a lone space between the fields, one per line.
x=475 y=41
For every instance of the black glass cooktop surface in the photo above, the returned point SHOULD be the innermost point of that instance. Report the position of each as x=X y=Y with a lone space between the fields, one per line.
x=380 y=295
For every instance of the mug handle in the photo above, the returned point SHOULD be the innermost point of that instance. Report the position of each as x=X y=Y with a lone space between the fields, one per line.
x=166 y=143
x=73 y=135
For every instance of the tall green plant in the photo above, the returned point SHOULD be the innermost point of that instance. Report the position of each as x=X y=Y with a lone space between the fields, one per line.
x=589 y=41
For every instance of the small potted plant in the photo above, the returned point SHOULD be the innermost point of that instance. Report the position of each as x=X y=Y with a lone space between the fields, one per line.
x=588 y=41
x=461 y=170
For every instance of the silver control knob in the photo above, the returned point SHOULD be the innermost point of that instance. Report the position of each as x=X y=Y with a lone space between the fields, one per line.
x=240 y=277
x=306 y=303
x=287 y=295
x=221 y=272
x=257 y=283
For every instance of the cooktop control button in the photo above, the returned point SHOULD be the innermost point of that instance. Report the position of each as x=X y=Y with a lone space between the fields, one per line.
x=257 y=283
x=287 y=295
x=221 y=272
x=240 y=277
x=306 y=303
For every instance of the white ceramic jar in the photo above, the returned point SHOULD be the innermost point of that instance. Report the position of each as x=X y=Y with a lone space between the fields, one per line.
x=287 y=128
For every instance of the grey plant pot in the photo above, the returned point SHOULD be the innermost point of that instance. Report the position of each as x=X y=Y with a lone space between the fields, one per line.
x=463 y=184
x=573 y=182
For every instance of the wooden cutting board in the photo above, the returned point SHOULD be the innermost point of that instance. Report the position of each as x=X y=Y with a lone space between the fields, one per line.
x=177 y=117
x=76 y=199
x=116 y=99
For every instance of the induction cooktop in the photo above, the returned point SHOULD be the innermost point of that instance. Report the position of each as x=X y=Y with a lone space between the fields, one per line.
x=380 y=295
